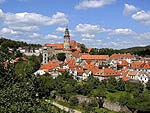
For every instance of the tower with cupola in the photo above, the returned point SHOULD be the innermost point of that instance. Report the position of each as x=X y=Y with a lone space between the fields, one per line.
x=66 y=39
x=45 y=55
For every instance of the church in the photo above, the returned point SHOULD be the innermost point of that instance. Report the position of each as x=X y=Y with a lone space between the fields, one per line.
x=68 y=47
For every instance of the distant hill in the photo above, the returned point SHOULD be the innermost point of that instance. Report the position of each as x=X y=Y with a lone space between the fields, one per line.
x=15 y=44
x=138 y=48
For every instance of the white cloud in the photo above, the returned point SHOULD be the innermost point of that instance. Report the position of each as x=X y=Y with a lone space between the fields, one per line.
x=144 y=37
x=92 y=43
x=122 y=32
x=129 y=9
x=1 y=1
x=85 y=4
x=87 y=28
x=34 y=35
x=60 y=29
x=25 y=28
x=142 y=17
x=32 y=19
x=25 y=23
x=87 y=36
x=9 y=31
x=53 y=37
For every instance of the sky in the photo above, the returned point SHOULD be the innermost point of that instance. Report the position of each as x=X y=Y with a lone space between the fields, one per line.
x=96 y=23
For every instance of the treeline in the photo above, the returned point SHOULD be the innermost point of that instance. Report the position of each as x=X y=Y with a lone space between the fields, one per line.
x=15 y=44
x=6 y=44
x=145 y=52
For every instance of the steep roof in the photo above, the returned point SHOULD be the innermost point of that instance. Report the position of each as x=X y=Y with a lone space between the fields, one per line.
x=123 y=63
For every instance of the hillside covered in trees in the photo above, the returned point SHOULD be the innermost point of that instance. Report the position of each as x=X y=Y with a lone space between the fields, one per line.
x=140 y=51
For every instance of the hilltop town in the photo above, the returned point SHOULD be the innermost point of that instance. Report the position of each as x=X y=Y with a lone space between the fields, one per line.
x=81 y=65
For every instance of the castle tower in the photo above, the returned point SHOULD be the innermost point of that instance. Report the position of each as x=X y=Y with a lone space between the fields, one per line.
x=45 y=55
x=66 y=38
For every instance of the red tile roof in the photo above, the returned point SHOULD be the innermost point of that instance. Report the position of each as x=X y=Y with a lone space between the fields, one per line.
x=107 y=72
x=57 y=45
x=121 y=56
x=133 y=73
x=124 y=77
x=140 y=65
x=88 y=61
x=92 y=68
x=89 y=50
x=24 y=59
x=61 y=70
x=80 y=70
x=123 y=63
x=92 y=57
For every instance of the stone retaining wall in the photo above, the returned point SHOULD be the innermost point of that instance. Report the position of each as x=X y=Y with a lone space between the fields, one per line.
x=115 y=107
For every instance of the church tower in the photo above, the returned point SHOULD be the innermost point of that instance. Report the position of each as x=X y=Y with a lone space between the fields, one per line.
x=66 y=39
x=45 y=55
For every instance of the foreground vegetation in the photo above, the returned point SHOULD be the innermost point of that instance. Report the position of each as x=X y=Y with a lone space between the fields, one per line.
x=18 y=86
x=133 y=95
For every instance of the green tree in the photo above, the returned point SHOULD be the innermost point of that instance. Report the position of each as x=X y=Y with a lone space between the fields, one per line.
x=74 y=101
x=83 y=48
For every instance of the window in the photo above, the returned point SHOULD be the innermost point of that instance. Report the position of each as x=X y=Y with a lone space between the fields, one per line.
x=45 y=62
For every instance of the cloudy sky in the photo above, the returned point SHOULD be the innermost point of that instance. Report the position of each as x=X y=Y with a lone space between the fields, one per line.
x=96 y=23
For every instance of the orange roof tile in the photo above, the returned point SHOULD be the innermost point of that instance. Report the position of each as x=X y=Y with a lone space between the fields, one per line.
x=123 y=63
x=45 y=66
x=118 y=56
x=24 y=59
x=79 y=49
x=89 y=50
x=125 y=78
x=100 y=57
x=106 y=72
x=76 y=54
x=88 y=61
x=61 y=70
x=140 y=65
x=80 y=70
x=133 y=73
x=68 y=60
x=57 y=45
x=136 y=64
